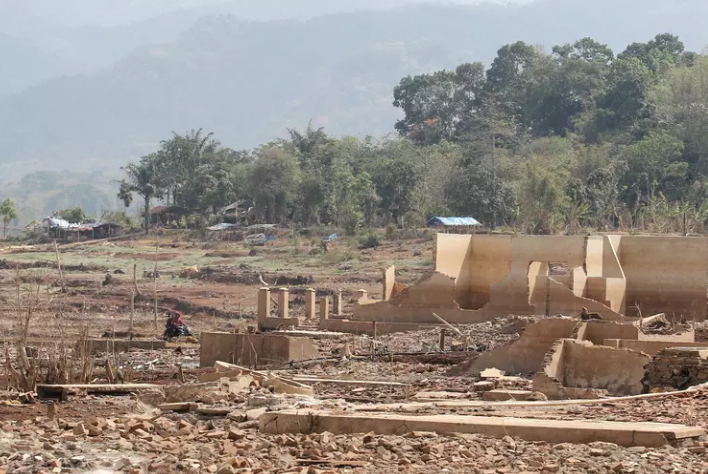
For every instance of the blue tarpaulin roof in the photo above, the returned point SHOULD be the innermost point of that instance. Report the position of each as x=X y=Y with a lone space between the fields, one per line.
x=452 y=221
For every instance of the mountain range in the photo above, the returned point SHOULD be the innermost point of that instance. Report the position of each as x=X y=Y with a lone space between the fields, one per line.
x=94 y=94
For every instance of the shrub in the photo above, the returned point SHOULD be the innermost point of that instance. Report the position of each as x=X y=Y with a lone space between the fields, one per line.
x=369 y=242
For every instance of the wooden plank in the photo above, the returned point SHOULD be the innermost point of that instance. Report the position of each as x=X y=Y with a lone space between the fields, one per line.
x=49 y=390
x=550 y=431
x=332 y=462
x=178 y=407
x=97 y=388
x=311 y=380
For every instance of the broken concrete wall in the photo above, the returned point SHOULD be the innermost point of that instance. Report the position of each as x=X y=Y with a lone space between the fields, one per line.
x=254 y=349
x=665 y=275
x=452 y=257
x=583 y=365
x=687 y=336
x=526 y=354
x=648 y=347
x=94 y=346
x=561 y=300
x=599 y=331
x=547 y=383
x=511 y=294
x=434 y=290
x=508 y=275
x=386 y=311
x=490 y=262
x=389 y=280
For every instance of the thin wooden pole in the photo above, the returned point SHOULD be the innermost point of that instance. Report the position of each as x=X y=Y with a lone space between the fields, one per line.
x=373 y=343
x=132 y=313
x=154 y=280
x=61 y=274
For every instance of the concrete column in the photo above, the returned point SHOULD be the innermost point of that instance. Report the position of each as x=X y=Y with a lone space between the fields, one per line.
x=263 y=303
x=324 y=307
x=337 y=303
x=310 y=303
x=363 y=295
x=283 y=302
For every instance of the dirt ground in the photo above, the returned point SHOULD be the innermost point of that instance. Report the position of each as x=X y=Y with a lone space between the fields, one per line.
x=215 y=286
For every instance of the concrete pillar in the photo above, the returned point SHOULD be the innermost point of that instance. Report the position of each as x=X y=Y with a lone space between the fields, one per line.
x=283 y=302
x=310 y=303
x=263 y=303
x=363 y=295
x=337 y=303
x=324 y=307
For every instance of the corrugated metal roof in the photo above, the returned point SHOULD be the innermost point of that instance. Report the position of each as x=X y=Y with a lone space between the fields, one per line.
x=453 y=221
x=58 y=222
x=222 y=226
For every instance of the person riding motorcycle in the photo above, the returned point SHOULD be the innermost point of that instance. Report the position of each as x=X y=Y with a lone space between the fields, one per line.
x=175 y=327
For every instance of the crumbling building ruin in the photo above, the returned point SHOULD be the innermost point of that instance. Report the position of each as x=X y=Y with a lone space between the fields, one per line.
x=480 y=277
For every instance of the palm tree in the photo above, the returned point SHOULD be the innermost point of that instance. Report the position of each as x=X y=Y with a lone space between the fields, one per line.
x=8 y=211
x=142 y=178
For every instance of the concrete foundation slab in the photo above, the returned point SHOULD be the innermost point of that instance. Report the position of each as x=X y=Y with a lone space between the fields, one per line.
x=254 y=349
x=550 y=431
x=649 y=347
x=95 y=346
x=503 y=395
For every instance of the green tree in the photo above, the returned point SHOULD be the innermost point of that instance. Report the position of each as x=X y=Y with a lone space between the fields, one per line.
x=682 y=103
x=8 y=211
x=545 y=175
x=144 y=179
x=273 y=181
x=74 y=215
x=431 y=104
x=655 y=165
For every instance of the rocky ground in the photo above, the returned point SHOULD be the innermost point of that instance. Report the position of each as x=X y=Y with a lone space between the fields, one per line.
x=217 y=432
x=141 y=439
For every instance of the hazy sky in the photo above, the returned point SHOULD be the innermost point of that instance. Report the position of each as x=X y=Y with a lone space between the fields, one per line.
x=113 y=12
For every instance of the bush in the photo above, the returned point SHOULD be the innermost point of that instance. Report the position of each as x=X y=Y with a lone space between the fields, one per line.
x=369 y=242
x=337 y=256
x=390 y=231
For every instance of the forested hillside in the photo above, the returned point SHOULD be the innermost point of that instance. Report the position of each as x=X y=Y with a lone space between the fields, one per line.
x=249 y=81
x=543 y=142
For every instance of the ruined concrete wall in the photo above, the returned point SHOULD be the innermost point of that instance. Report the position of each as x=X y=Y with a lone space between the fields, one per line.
x=386 y=311
x=649 y=347
x=538 y=286
x=453 y=257
x=490 y=262
x=688 y=336
x=435 y=290
x=389 y=280
x=563 y=301
x=665 y=275
x=511 y=294
x=95 y=346
x=526 y=354
x=547 y=381
x=254 y=349
x=366 y=327
x=619 y=371
x=594 y=256
x=599 y=331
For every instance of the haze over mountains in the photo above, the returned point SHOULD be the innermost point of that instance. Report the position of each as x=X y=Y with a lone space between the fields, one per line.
x=100 y=83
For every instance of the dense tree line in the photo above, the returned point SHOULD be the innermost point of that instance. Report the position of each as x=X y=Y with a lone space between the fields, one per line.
x=539 y=141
